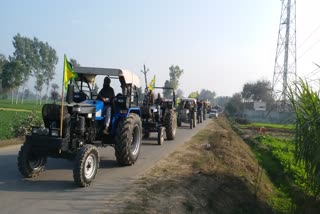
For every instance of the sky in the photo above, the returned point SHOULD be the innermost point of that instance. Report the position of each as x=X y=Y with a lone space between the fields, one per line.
x=220 y=45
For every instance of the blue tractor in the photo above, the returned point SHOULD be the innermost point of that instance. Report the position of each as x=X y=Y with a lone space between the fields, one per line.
x=83 y=127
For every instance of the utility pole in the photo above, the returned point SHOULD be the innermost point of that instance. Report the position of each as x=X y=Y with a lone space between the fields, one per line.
x=145 y=71
x=285 y=68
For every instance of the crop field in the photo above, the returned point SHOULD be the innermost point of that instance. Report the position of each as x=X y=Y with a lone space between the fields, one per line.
x=275 y=151
x=8 y=120
x=14 y=116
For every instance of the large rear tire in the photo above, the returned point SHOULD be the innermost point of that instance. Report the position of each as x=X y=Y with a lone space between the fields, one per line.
x=171 y=125
x=128 y=140
x=86 y=165
x=30 y=164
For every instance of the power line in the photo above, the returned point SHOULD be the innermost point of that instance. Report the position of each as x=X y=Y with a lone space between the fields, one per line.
x=312 y=46
x=309 y=36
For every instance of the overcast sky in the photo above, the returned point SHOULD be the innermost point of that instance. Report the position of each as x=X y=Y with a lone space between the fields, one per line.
x=221 y=45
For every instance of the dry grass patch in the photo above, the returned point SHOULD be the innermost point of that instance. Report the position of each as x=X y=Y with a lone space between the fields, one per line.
x=197 y=178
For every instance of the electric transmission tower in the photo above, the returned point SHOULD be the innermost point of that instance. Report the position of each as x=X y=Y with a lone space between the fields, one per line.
x=285 y=70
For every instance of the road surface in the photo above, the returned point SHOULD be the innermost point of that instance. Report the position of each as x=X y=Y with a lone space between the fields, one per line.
x=54 y=190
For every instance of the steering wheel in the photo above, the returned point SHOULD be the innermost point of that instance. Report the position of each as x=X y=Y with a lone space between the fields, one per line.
x=86 y=95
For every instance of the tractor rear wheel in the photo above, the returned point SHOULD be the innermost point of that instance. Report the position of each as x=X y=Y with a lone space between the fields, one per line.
x=128 y=140
x=171 y=125
x=30 y=164
x=86 y=164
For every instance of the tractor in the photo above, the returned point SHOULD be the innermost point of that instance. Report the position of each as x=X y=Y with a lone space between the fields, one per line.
x=159 y=117
x=82 y=127
x=187 y=112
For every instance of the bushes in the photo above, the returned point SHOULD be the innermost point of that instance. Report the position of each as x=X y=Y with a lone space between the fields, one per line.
x=306 y=105
x=23 y=125
x=13 y=124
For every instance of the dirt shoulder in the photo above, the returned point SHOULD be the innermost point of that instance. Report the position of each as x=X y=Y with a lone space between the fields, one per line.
x=11 y=142
x=215 y=172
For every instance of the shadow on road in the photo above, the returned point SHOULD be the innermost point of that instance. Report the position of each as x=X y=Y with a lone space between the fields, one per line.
x=12 y=180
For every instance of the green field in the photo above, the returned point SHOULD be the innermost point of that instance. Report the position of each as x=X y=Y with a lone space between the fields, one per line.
x=14 y=117
x=8 y=120
x=27 y=105
x=277 y=158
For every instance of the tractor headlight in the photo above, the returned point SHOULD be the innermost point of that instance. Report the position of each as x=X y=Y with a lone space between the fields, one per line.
x=35 y=130
x=89 y=115
x=55 y=132
x=76 y=108
x=39 y=131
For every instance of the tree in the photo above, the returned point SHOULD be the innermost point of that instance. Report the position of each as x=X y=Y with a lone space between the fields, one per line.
x=175 y=73
x=222 y=100
x=54 y=93
x=179 y=93
x=3 y=61
x=258 y=91
x=235 y=104
x=207 y=95
x=166 y=92
x=38 y=58
x=44 y=68
x=12 y=76
x=74 y=62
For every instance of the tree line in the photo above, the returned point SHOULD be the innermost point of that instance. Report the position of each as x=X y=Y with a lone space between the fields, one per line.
x=251 y=92
x=31 y=58
x=175 y=72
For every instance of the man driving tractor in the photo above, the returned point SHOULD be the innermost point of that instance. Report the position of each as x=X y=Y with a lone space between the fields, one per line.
x=105 y=95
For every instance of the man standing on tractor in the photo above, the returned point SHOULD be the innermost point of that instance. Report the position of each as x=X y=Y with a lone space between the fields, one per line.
x=106 y=94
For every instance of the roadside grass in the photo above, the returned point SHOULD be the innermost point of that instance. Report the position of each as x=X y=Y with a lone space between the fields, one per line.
x=276 y=155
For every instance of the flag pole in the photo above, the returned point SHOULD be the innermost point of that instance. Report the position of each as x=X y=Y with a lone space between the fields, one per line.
x=62 y=97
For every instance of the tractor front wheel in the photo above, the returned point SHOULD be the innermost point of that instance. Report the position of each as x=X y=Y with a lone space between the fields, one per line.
x=86 y=165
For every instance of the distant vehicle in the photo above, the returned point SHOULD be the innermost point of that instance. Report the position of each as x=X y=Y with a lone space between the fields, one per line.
x=213 y=113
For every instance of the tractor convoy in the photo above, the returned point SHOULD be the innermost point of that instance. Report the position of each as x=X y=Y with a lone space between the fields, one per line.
x=90 y=120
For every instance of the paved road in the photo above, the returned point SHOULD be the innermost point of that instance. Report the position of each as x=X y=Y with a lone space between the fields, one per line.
x=54 y=191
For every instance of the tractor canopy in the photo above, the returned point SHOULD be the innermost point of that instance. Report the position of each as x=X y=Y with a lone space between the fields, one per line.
x=89 y=73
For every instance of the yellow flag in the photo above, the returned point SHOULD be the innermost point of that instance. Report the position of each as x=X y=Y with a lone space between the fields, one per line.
x=68 y=73
x=193 y=94
x=152 y=83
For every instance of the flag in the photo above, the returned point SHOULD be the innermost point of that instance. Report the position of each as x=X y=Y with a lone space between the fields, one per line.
x=68 y=73
x=193 y=94
x=152 y=83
